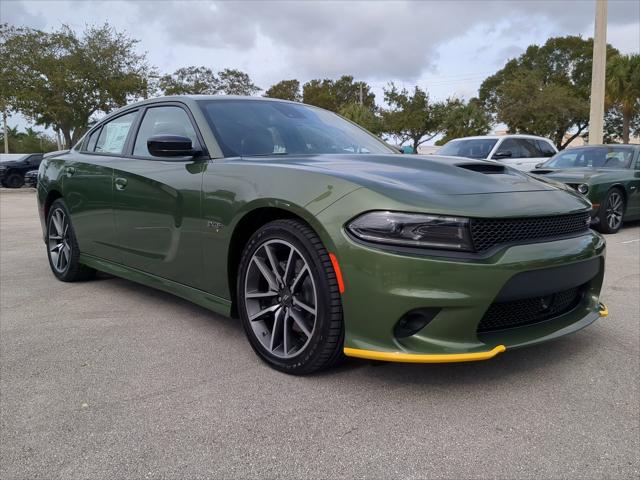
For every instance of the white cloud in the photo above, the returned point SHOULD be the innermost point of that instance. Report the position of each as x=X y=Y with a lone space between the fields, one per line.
x=447 y=46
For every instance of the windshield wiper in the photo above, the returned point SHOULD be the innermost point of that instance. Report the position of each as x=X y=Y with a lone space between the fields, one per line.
x=277 y=154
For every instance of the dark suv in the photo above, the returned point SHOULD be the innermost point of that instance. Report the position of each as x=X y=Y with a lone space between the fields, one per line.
x=13 y=168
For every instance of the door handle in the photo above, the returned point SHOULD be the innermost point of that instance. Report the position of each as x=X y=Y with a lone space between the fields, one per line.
x=70 y=171
x=121 y=183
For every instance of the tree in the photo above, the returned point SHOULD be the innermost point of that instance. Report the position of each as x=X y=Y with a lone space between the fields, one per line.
x=623 y=89
x=235 y=82
x=336 y=94
x=61 y=80
x=545 y=91
x=28 y=141
x=614 y=125
x=189 y=80
x=286 y=90
x=411 y=117
x=462 y=119
x=363 y=116
x=202 y=81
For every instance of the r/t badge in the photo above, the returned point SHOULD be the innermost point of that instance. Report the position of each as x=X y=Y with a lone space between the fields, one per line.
x=217 y=225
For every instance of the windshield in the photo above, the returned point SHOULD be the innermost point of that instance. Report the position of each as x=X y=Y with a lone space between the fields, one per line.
x=255 y=127
x=471 y=148
x=592 y=157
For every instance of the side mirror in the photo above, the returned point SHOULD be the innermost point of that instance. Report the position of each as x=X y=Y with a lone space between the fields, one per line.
x=171 y=146
x=502 y=154
x=539 y=165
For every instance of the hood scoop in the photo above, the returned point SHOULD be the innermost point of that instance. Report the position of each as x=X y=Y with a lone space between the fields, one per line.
x=486 y=168
x=540 y=171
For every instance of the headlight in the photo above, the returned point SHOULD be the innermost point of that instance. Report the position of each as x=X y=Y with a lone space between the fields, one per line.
x=413 y=230
x=583 y=188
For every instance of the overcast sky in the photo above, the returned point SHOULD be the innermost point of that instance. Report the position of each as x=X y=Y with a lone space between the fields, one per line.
x=449 y=47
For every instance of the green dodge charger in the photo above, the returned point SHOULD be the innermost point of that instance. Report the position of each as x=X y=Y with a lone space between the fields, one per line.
x=608 y=175
x=323 y=240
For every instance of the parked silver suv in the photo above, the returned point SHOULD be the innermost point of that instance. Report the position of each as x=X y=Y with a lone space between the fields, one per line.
x=523 y=152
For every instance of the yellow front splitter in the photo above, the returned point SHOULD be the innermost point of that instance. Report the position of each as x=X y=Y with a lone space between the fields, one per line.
x=423 y=358
x=604 y=311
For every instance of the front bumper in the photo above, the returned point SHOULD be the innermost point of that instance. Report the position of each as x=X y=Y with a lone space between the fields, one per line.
x=382 y=286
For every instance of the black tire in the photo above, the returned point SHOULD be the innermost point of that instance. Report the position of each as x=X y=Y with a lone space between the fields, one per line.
x=14 y=180
x=611 y=211
x=324 y=346
x=64 y=261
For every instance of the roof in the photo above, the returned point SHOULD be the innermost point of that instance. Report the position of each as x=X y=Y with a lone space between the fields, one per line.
x=190 y=99
x=617 y=145
x=497 y=137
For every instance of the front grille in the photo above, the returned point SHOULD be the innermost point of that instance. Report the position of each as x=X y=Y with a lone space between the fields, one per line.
x=489 y=232
x=531 y=310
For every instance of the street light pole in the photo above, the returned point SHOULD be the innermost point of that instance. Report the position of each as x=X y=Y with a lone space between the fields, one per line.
x=596 y=113
x=5 y=131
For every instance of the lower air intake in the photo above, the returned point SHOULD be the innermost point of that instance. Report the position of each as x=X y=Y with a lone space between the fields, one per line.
x=527 y=311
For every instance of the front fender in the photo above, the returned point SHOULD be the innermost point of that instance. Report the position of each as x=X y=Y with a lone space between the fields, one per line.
x=234 y=188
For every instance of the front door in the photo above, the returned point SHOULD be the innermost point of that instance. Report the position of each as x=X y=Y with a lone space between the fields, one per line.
x=157 y=202
x=521 y=153
x=633 y=207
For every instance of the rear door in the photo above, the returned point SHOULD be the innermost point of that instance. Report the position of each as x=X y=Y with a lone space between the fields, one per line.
x=157 y=200
x=87 y=186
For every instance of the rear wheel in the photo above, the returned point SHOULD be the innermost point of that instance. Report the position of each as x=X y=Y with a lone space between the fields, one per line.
x=288 y=298
x=14 y=180
x=611 y=212
x=62 y=246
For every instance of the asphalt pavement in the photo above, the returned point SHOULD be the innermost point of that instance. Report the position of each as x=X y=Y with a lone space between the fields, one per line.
x=110 y=379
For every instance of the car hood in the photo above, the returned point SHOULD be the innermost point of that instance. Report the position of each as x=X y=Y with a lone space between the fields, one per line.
x=11 y=163
x=573 y=175
x=414 y=173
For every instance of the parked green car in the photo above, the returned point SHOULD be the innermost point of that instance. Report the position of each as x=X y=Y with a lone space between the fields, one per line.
x=608 y=175
x=321 y=238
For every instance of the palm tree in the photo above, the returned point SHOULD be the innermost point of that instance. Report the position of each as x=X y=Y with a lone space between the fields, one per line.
x=623 y=88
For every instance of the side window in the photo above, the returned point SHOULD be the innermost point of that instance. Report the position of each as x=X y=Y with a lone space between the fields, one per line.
x=114 y=134
x=529 y=148
x=546 y=149
x=168 y=120
x=509 y=145
x=91 y=142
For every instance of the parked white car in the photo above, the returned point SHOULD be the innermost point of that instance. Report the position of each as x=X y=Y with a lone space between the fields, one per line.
x=523 y=152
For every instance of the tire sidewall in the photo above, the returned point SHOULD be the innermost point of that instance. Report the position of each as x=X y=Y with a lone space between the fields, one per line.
x=14 y=180
x=73 y=264
x=283 y=231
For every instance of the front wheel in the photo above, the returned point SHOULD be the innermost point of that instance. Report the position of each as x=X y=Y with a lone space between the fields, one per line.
x=62 y=246
x=611 y=212
x=289 y=300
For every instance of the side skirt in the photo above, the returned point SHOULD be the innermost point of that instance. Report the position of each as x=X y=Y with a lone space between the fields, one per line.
x=199 y=297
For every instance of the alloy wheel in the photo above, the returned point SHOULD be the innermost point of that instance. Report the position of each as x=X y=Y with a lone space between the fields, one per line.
x=614 y=210
x=58 y=240
x=280 y=298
